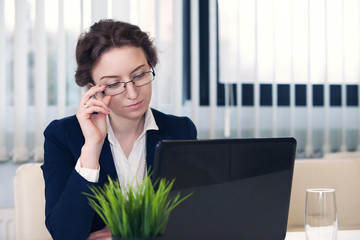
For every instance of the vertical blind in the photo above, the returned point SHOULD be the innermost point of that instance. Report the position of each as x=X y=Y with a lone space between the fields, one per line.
x=285 y=43
x=257 y=49
x=3 y=82
x=38 y=39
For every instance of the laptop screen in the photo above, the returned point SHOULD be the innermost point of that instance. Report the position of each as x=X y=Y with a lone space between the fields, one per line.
x=241 y=187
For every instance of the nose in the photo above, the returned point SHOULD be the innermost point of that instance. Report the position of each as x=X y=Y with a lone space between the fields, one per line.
x=131 y=90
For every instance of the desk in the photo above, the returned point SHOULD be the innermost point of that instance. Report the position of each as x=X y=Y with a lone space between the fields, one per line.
x=342 y=235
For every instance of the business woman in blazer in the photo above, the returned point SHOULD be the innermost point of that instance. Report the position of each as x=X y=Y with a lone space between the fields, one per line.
x=114 y=132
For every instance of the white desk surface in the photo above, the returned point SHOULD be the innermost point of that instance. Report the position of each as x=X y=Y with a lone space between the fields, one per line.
x=342 y=235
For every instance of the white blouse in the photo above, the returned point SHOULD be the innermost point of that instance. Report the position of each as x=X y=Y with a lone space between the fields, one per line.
x=130 y=171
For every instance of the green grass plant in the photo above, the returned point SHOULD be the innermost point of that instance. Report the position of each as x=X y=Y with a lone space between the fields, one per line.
x=141 y=212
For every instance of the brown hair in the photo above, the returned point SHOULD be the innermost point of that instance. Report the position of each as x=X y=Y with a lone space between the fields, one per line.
x=103 y=36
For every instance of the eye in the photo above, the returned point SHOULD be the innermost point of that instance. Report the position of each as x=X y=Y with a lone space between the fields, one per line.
x=139 y=76
x=113 y=85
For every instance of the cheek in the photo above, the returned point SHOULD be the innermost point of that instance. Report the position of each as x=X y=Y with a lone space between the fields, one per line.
x=149 y=91
x=115 y=102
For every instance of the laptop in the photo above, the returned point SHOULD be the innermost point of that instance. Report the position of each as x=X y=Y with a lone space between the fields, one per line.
x=240 y=187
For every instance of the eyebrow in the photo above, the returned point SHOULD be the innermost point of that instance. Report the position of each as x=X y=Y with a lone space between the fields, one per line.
x=115 y=76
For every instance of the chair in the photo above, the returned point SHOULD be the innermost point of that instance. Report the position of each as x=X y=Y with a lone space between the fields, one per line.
x=342 y=155
x=341 y=174
x=30 y=203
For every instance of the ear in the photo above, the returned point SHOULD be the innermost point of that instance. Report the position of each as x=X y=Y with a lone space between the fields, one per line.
x=90 y=85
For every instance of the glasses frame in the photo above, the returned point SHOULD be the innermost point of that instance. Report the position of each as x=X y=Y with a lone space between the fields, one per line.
x=133 y=82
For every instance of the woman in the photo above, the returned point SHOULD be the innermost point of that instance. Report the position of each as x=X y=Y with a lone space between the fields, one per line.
x=114 y=131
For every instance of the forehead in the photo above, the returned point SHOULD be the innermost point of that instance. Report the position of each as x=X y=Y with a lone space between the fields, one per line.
x=119 y=61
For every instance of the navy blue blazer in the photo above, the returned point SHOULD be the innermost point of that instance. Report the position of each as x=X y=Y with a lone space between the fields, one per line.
x=68 y=214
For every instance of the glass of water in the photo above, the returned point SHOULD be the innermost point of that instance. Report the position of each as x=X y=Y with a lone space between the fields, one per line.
x=320 y=214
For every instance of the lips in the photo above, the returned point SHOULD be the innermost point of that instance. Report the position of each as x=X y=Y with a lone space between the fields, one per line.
x=134 y=105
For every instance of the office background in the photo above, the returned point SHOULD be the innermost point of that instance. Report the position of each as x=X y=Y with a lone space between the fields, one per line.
x=237 y=68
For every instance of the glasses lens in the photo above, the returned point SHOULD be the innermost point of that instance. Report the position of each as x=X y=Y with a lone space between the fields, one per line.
x=139 y=80
x=114 y=88
x=143 y=78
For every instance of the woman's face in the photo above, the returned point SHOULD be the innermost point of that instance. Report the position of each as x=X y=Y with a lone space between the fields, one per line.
x=122 y=64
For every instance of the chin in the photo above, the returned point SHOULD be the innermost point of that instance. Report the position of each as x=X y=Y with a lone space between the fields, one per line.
x=135 y=114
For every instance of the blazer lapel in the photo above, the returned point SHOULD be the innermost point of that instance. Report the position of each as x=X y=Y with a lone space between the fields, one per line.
x=152 y=139
x=107 y=166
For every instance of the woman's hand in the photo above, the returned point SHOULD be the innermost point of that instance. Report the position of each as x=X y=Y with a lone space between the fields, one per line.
x=91 y=115
x=103 y=234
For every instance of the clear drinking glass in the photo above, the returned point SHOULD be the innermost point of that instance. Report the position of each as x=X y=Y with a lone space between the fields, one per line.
x=320 y=214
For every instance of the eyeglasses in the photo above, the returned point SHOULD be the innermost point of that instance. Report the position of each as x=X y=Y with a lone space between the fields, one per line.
x=138 y=80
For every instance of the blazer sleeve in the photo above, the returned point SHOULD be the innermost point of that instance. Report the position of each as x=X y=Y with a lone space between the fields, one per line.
x=191 y=129
x=68 y=214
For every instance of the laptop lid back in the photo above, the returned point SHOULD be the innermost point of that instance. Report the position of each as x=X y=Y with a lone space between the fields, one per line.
x=241 y=187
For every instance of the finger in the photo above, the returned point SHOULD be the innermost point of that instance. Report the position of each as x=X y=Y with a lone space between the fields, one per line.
x=91 y=92
x=106 y=100
x=96 y=102
x=105 y=237
x=96 y=109
x=100 y=234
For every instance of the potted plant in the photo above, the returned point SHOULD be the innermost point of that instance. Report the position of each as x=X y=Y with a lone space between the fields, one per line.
x=141 y=212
